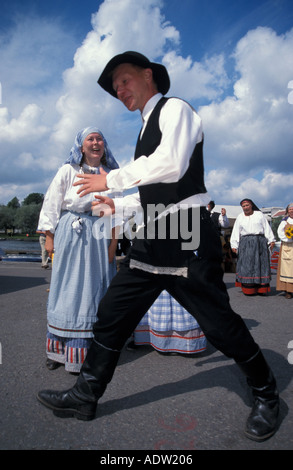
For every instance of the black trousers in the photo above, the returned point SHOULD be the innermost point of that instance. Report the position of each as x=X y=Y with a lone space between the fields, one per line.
x=203 y=294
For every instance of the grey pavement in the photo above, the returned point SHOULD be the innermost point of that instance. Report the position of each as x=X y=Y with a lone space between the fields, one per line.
x=154 y=402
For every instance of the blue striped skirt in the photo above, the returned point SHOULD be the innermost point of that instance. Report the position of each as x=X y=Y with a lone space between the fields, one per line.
x=81 y=274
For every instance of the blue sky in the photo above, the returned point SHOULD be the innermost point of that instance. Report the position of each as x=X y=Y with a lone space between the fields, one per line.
x=232 y=60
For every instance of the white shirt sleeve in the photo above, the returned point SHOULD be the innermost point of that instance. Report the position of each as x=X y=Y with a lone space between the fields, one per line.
x=181 y=129
x=268 y=232
x=129 y=207
x=235 y=235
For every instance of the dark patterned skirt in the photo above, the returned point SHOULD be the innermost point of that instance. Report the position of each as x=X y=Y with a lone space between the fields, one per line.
x=253 y=272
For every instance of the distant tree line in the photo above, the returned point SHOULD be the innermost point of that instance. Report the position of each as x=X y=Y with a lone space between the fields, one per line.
x=21 y=216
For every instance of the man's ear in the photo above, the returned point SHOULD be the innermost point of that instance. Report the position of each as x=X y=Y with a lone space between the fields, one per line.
x=148 y=73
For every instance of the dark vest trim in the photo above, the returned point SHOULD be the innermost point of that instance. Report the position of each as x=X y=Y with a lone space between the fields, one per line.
x=192 y=182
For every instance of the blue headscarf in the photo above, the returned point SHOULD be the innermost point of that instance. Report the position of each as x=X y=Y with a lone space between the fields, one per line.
x=75 y=155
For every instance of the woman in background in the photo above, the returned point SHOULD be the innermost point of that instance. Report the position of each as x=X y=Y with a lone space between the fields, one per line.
x=250 y=239
x=285 y=263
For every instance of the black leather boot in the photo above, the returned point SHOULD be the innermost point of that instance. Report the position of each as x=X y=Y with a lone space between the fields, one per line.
x=81 y=400
x=262 y=421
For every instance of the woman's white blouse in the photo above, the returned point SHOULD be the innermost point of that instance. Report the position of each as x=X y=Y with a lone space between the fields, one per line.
x=255 y=224
x=62 y=196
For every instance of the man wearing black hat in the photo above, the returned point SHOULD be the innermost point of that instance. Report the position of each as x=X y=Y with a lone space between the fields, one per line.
x=168 y=170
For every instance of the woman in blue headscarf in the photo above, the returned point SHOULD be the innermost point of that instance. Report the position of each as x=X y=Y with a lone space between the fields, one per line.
x=84 y=252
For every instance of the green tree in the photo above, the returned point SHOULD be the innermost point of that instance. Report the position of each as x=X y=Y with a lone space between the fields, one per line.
x=14 y=203
x=33 y=198
x=7 y=217
x=26 y=218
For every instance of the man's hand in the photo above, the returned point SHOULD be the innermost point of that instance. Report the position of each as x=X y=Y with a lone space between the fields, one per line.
x=103 y=206
x=91 y=183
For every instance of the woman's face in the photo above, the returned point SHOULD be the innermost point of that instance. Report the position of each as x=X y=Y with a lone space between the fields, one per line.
x=290 y=212
x=247 y=207
x=93 y=149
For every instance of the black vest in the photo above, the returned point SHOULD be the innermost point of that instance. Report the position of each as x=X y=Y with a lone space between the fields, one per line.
x=152 y=250
x=192 y=182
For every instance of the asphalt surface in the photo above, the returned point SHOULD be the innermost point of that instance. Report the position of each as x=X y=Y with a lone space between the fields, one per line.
x=155 y=402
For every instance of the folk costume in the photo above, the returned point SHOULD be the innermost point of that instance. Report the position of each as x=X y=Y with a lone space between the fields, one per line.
x=169 y=166
x=285 y=262
x=169 y=328
x=81 y=271
x=251 y=236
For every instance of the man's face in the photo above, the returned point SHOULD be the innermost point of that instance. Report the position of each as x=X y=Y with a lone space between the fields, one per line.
x=132 y=86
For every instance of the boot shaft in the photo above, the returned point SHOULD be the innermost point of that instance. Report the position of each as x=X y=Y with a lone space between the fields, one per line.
x=96 y=372
x=259 y=377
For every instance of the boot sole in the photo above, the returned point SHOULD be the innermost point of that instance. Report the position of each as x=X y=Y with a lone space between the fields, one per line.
x=68 y=412
x=256 y=438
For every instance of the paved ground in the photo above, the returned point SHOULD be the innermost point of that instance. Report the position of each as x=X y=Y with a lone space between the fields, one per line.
x=154 y=402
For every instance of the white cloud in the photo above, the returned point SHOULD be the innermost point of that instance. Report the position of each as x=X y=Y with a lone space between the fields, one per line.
x=231 y=190
x=251 y=131
x=117 y=26
x=194 y=80
x=27 y=126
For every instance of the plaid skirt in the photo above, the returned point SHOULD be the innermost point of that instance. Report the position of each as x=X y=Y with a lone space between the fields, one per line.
x=168 y=327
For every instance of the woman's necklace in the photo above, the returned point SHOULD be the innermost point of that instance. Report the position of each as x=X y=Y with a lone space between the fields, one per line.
x=90 y=169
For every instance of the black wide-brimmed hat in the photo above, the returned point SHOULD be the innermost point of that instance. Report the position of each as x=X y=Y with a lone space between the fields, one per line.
x=160 y=74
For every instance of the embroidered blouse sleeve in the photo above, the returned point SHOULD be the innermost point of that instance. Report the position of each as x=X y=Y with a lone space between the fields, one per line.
x=51 y=209
x=281 y=231
x=235 y=235
x=269 y=234
x=181 y=129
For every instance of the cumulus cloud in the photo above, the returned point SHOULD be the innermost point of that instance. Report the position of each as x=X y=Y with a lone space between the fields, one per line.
x=26 y=126
x=47 y=96
x=196 y=80
x=269 y=190
x=249 y=133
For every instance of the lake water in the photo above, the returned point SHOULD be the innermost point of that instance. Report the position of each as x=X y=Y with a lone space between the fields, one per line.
x=25 y=250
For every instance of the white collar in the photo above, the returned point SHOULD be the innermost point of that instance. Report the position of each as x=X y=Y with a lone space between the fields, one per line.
x=149 y=106
x=147 y=110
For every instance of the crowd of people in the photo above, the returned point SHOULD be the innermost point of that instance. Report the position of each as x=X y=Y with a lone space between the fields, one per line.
x=162 y=295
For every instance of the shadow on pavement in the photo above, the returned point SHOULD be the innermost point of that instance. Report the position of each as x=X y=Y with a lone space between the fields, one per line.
x=10 y=284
